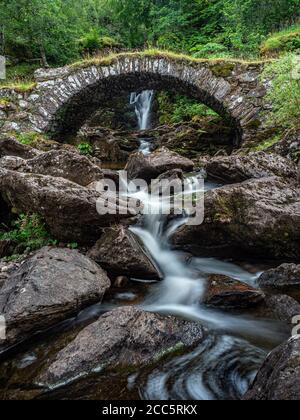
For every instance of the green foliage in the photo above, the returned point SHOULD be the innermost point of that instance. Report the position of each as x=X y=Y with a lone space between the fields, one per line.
x=267 y=143
x=27 y=138
x=287 y=40
x=92 y=42
x=208 y=50
x=73 y=245
x=85 y=149
x=284 y=93
x=176 y=109
x=29 y=232
x=59 y=31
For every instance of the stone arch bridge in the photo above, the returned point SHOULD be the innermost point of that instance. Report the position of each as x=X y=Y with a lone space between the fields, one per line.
x=65 y=97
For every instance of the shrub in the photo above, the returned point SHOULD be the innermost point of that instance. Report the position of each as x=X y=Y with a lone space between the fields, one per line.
x=176 y=109
x=92 y=42
x=29 y=233
x=284 y=41
x=284 y=92
x=85 y=148
x=210 y=49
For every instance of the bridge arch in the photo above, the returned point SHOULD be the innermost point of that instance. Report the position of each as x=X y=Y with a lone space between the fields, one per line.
x=64 y=98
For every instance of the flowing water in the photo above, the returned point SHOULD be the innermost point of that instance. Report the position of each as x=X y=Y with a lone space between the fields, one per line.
x=224 y=365
x=221 y=367
x=143 y=103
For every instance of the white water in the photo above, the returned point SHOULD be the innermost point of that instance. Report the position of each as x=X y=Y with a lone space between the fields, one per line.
x=183 y=286
x=143 y=104
x=223 y=365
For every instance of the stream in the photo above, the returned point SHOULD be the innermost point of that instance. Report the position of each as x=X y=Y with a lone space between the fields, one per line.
x=222 y=367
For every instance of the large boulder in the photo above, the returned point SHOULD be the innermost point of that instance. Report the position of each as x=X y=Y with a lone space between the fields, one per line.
x=11 y=147
x=260 y=217
x=47 y=288
x=64 y=164
x=239 y=168
x=149 y=167
x=120 y=254
x=69 y=209
x=282 y=280
x=279 y=377
x=125 y=337
x=224 y=292
x=282 y=307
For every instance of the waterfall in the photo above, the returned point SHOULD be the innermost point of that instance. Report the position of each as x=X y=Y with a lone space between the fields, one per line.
x=143 y=104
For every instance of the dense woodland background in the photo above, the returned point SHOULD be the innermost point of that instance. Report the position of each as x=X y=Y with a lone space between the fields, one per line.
x=35 y=33
x=61 y=31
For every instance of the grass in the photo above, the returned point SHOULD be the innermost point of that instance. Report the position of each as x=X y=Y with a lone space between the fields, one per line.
x=155 y=53
x=19 y=77
x=283 y=41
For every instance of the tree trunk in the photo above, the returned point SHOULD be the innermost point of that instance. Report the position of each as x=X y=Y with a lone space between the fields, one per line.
x=2 y=40
x=43 y=57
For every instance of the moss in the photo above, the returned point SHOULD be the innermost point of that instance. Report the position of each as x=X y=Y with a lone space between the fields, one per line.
x=267 y=143
x=254 y=124
x=20 y=87
x=222 y=69
x=155 y=53
x=27 y=138
x=261 y=138
x=5 y=102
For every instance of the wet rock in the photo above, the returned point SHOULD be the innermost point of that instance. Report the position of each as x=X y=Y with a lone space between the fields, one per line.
x=47 y=288
x=11 y=147
x=282 y=307
x=224 y=292
x=69 y=210
x=260 y=217
x=151 y=166
x=239 y=168
x=119 y=252
x=122 y=338
x=279 y=377
x=283 y=280
x=64 y=164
